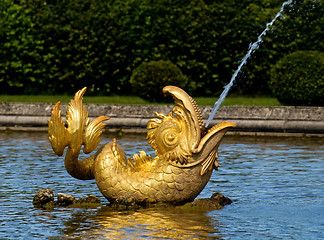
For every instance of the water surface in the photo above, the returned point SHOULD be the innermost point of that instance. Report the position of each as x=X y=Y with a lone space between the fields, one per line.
x=276 y=185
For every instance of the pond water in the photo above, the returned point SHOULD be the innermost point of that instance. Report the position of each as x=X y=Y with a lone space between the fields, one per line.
x=277 y=185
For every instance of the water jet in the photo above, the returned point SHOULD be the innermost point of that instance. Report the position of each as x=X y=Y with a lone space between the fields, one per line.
x=254 y=46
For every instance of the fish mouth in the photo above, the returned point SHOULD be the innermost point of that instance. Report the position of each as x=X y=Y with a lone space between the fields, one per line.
x=203 y=142
x=212 y=138
x=190 y=113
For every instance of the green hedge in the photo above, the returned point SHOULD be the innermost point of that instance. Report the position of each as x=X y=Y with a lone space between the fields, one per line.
x=298 y=79
x=60 y=46
x=149 y=79
x=300 y=29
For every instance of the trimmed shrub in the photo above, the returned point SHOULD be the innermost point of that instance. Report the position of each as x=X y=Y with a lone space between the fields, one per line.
x=298 y=79
x=149 y=79
x=300 y=28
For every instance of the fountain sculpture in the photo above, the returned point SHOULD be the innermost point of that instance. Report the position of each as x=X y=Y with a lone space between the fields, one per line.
x=186 y=153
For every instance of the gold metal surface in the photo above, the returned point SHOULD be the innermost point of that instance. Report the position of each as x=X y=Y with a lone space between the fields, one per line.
x=186 y=153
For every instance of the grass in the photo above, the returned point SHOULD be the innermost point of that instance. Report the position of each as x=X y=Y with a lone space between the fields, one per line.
x=241 y=101
x=66 y=99
x=229 y=101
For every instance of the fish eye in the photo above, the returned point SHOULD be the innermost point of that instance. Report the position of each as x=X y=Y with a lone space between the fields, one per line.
x=171 y=137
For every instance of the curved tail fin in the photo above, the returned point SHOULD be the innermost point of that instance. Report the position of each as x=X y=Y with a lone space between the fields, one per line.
x=77 y=131
x=57 y=132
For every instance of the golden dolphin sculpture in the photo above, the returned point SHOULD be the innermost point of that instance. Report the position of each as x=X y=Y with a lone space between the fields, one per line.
x=186 y=153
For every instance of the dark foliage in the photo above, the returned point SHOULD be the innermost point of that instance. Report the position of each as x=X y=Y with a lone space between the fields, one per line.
x=298 y=79
x=149 y=78
x=61 y=46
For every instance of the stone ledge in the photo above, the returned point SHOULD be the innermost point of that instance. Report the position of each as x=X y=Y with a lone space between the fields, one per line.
x=248 y=119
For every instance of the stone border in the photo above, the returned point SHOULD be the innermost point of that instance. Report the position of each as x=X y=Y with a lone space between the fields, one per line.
x=133 y=118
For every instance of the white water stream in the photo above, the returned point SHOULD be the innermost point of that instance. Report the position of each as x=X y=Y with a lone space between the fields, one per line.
x=252 y=48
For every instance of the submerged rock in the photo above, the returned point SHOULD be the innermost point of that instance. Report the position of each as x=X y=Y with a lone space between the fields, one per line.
x=221 y=199
x=216 y=202
x=64 y=199
x=89 y=201
x=43 y=196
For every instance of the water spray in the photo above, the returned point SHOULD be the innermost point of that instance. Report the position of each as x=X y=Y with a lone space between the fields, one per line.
x=252 y=48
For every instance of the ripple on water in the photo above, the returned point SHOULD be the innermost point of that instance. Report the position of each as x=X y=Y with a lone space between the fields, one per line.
x=277 y=187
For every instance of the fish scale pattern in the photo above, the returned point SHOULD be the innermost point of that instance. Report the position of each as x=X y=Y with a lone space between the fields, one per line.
x=164 y=183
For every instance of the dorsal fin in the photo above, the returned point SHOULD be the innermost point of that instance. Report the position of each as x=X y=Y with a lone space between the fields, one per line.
x=141 y=162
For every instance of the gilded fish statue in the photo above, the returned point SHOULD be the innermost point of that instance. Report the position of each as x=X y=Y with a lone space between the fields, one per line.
x=186 y=153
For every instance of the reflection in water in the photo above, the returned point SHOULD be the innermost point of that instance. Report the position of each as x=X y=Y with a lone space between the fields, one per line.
x=162 y=223
x=277 y=186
